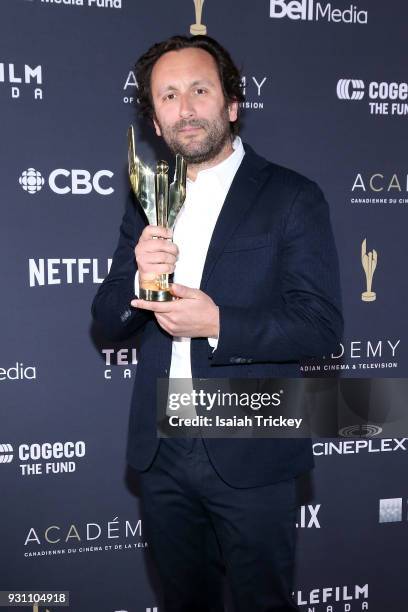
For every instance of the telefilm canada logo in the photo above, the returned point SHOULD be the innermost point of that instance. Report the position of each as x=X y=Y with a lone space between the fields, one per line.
x=45 y=458
x=379 y=187
x=382 y=97
x=347 y=598
x=62 y=181
x=119 y=362
x=309 y=10
x=67 y=271
x=359 y=355
x=65 y=538
x=21 y=80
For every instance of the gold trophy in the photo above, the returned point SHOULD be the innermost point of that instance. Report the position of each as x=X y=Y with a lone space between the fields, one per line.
x=161 y=204
x=369 y=262
x=198 y=27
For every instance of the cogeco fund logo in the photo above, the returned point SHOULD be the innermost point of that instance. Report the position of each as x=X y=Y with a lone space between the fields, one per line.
x=21 y=80
x=309 y=10
x=62 y=181
x=384 y=97
x=41 y=459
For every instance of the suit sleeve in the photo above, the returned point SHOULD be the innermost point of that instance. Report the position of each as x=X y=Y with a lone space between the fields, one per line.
x=111 y=306
x=306 y=321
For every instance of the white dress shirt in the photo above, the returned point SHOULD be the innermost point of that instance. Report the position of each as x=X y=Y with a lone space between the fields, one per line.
x=192 y=234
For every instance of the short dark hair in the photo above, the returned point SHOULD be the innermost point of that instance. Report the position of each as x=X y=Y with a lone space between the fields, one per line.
x=228 y=72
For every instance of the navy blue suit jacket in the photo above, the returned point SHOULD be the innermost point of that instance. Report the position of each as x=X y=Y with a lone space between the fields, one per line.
x=272 y=269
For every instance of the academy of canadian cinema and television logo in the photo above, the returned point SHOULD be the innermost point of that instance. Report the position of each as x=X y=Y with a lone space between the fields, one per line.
x=358 y=356
x=380 y=97
x=253 y=87
x=61 y=538
x=379 y=187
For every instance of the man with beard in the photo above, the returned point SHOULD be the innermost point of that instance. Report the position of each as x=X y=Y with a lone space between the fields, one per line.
x=255 y=271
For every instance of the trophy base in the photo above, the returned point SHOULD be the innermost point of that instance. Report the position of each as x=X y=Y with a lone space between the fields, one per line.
x=152 y=293
x=198 y=29
x=368 y=296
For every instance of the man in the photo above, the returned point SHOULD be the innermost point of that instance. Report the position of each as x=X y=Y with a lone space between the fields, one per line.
x=256 y=275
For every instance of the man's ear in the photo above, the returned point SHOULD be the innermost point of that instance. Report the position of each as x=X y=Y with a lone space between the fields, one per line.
x=156 y=126
x=233 y=111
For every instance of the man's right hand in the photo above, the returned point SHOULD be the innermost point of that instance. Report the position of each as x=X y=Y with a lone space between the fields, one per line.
x=154 y=255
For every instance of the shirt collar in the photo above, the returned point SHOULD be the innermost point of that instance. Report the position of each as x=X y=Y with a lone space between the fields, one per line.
x=225 y=171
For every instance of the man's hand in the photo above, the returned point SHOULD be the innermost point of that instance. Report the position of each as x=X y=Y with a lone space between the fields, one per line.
x=193 y=315
x=154 y=255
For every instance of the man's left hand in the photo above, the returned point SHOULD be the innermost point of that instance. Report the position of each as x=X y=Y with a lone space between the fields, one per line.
x=193 y=315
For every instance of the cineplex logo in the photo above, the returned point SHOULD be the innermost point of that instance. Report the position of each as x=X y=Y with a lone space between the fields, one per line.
x=62 y=181
x=67 y=271
x=72 y=538
x=352 y=598
x=391 y=510
x=379 y=187
x=354 y=447
x=385 y=98
x=45 y=458
x=309 y=10
x=252 y=87
x=22 y=79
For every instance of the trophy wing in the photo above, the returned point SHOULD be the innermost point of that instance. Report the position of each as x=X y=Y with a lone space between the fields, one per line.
x=142 y=180
x=177 y=191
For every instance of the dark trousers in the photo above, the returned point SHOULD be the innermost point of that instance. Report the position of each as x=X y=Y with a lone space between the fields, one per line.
x=198 y=526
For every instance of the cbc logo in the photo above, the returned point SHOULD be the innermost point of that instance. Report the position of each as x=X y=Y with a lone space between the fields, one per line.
x=6 y=453
x=62 y=181
x=350 y=89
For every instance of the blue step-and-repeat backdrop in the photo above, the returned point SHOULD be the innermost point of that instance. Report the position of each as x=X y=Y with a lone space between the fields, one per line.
x=326 y=94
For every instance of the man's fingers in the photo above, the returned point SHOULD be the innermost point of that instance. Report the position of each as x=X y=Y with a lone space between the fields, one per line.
x=161 y=307
x=155 y=231
x=181 y=291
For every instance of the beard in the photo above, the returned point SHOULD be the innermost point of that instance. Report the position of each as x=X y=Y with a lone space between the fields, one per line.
x=217 y=134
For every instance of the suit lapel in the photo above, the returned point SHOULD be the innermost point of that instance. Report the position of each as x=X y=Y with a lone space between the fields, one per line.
x=241 y=195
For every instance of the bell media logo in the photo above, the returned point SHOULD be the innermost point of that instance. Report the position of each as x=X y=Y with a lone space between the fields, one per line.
x=6 y=453
x=309 y=10
x=350 y=89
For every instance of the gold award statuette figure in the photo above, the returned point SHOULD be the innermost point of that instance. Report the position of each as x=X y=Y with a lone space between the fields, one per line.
x=161 y=204
x=198 y=27
x=369 y=262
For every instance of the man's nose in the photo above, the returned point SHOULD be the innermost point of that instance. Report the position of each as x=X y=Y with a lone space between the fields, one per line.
x=186 y=107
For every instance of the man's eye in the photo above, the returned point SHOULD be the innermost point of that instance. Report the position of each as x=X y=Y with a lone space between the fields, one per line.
x=170 y=96
x=201 y=91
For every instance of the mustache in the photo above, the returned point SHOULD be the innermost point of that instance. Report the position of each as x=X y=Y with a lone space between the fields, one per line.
x=195 y=123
